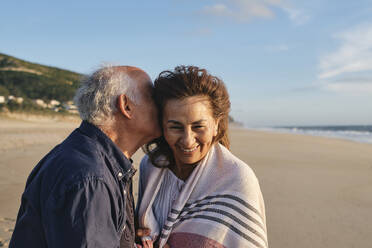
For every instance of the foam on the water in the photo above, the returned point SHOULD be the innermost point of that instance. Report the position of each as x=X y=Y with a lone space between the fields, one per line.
x=359 y=133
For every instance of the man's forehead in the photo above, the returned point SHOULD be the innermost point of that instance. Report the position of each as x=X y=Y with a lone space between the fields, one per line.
x=133 y=72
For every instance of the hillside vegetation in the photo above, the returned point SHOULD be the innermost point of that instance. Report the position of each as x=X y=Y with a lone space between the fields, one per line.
x=33 y=81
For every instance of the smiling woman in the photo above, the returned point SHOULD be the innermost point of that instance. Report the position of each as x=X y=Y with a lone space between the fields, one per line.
x=189 y=129
x=198 y=94
x=193 y=192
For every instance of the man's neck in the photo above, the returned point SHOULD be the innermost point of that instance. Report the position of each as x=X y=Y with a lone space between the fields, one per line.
x=127 y=142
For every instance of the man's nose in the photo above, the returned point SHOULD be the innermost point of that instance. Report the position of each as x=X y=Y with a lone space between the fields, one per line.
x=188 y=138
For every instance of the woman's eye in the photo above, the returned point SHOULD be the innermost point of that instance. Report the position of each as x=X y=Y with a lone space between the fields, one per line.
x=198 y=127
x=175 y=127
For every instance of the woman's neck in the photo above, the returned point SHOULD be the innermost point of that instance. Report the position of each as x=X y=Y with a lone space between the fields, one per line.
x=183 y=171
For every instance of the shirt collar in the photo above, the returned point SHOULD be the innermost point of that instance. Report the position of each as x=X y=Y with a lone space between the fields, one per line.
x=114 y=154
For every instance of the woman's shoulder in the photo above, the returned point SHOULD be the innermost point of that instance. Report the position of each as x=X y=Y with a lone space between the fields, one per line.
x=236 y=177
x=145 y=161
x=146 y=167
x=236 y=166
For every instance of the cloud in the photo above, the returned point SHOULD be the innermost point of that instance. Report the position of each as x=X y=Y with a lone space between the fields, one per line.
x=349 y=84
x=218 y=10
x=342 y=70
x=239 y=9
x=297 y=16
x=354 y=88
x=246 y=10
x=353 y=55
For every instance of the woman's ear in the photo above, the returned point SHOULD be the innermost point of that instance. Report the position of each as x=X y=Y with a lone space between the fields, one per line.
x=125 y=106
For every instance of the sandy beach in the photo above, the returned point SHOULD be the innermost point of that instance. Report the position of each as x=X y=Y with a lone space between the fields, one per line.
x=317 y=190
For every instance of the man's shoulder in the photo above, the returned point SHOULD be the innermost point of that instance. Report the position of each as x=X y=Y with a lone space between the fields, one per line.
x=73 y=161
x=77 y=147
x=79 y=156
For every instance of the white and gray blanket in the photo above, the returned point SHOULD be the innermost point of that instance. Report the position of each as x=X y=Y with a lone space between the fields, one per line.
x=220 y=205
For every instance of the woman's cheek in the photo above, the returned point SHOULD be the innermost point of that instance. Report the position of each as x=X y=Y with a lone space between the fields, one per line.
x=170 y=137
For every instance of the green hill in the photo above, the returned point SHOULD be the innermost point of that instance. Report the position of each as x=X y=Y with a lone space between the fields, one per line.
x=24 y=79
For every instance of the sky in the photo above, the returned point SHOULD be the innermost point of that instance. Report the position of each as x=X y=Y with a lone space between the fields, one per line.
x=284 y=62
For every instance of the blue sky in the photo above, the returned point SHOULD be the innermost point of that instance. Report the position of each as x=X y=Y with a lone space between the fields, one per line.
x=284 y=62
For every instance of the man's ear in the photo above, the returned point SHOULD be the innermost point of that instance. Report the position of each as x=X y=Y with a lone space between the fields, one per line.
x=125 y=106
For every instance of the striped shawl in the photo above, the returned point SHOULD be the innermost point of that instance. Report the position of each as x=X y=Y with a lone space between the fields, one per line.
x=220 y=205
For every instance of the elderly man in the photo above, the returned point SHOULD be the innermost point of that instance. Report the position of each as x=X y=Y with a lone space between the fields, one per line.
x=80 y=194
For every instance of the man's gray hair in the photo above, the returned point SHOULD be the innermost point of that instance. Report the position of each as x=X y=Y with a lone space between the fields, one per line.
x=96 y=99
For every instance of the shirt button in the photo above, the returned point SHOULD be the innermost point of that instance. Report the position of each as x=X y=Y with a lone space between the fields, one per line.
x=120 y=174
x=125 y=192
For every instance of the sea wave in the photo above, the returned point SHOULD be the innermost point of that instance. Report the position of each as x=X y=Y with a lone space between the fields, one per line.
x=361 y=134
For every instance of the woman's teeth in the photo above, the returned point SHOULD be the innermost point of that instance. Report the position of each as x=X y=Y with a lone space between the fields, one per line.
x=189 y=150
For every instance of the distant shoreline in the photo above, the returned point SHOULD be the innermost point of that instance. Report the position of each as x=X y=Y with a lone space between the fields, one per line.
x=347 y=133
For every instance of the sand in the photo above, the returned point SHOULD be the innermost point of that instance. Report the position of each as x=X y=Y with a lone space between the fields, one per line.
x=318 y=191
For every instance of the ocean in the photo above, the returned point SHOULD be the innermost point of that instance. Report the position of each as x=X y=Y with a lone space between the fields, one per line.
x=357 y=133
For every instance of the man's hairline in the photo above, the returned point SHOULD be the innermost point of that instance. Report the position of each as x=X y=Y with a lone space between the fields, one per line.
x=136 y=86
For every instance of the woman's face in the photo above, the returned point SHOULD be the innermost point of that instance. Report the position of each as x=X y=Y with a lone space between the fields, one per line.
x=189 y=128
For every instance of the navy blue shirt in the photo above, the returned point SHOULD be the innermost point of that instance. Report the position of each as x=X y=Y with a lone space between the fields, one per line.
x=79 y=195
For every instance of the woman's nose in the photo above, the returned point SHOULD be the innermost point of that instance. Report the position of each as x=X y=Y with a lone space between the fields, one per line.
x=188 y=139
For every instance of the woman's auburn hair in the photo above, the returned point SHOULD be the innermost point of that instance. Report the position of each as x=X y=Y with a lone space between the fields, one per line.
x=183 y=82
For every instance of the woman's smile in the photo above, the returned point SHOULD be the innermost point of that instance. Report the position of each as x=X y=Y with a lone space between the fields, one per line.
x=189 y=128
x=188 y=150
